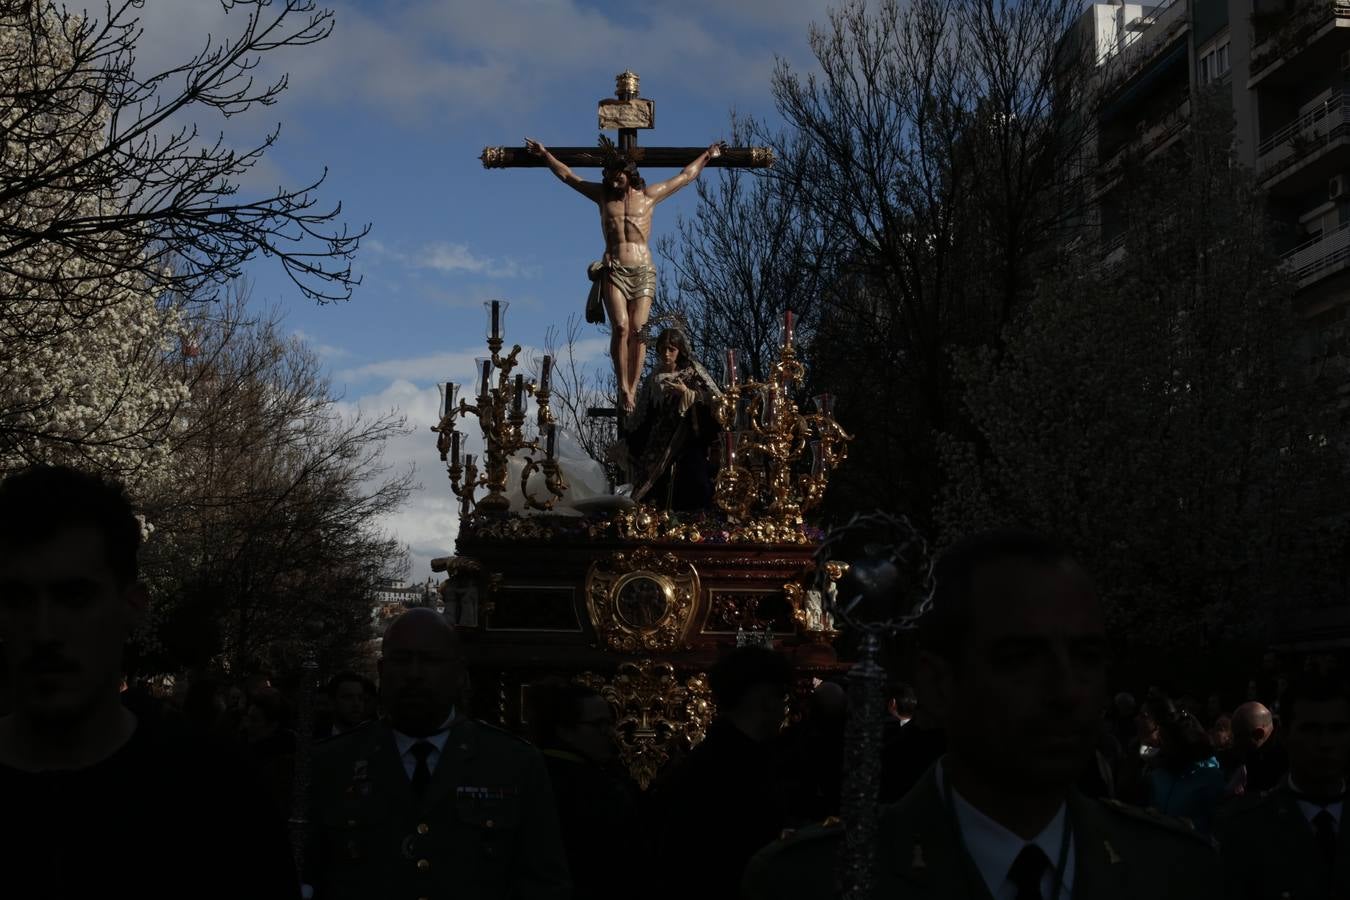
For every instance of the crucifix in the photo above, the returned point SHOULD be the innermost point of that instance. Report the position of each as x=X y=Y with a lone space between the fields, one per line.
x=624 y=279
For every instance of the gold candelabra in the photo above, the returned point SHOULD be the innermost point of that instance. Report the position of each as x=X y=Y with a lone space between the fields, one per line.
x=500 y=409
x=764 y=481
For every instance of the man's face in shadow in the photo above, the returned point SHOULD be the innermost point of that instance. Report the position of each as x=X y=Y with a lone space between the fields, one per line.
x=64 y=620
x=1023 y=699
x=421 y=672
x=349 y=704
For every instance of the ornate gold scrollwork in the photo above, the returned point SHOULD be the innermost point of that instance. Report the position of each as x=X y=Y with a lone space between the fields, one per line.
x=642 y=600
x=654 y=713
x=732 y=610
x=493 y=157
x=516 y=528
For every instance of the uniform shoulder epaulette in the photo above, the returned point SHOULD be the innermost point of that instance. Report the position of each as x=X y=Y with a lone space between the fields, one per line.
x=1158 y=820
x=500 y=731
x=350 y=734
x=830 y=828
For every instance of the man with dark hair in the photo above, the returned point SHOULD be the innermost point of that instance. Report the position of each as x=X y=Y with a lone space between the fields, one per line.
x=597 y=801
x=1013 y=666
x=96 y=801
x=429 y=802
x=350 y=695
x=724 y=801
x=1290 y=841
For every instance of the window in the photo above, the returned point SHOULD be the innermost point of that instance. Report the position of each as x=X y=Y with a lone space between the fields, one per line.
x=1214 y=63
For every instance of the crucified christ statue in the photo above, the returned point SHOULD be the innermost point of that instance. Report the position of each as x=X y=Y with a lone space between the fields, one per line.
x=626 y=275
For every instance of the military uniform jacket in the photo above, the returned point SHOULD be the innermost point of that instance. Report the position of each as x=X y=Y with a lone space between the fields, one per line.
x=1120 y=854
x=487 y=827
x=1269 y=850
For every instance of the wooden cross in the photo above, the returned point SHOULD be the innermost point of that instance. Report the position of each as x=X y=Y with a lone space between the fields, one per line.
x=626 y=115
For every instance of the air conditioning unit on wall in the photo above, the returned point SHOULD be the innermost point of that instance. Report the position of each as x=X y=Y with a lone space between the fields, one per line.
x=1336 y=187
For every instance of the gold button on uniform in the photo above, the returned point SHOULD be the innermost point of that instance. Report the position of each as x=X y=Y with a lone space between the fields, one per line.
x=488 y=823
x=423 y=865
x=423 y=828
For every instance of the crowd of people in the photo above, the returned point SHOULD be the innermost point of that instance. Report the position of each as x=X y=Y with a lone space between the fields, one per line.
x=1008 y=768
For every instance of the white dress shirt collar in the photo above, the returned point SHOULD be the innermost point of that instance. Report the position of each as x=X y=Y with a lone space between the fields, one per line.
x=993 y=848
x=404 y=742
x=1310 y=809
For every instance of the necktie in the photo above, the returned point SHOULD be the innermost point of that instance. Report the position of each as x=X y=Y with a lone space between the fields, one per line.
x=422 y=773
x=1324 y=827
x=1027 y=871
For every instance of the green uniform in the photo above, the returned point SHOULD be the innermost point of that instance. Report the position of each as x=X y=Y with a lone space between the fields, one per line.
x=1269 y=850
x=1120 y=853
x=486 y=827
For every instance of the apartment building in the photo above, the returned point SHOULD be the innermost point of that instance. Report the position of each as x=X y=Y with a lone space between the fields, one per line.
x=1286 y=65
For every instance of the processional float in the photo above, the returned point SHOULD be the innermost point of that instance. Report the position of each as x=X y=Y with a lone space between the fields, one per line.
x=639 y=601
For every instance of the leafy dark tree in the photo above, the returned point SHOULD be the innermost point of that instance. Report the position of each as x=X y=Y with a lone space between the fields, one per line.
x=268 y=533
x=749 y=253
x=919 y=176
x=1161 y=413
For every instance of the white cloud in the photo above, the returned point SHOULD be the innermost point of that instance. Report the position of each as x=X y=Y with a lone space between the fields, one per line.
x=429 y=522
x=459 y=365
x=449 y=256
x=327 y=351
x=429 y=62
x=434 y=367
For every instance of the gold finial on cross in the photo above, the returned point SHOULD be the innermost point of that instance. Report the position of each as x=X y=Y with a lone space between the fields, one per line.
x=626 y=85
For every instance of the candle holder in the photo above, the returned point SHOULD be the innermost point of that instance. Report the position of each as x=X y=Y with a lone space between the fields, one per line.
x=759 y=483
x=500 y=410
x=553 y=478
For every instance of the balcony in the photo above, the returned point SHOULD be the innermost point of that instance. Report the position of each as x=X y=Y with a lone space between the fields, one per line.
x=1322 y=256
x=1312 y=21
x=1153 y=136
x=1157 y=29
x=1303 y=141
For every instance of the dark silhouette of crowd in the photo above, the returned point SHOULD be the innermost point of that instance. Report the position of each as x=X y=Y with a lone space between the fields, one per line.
x=1009 y=768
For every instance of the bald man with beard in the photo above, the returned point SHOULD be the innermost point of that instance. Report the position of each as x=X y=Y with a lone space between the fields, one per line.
x=428 y=802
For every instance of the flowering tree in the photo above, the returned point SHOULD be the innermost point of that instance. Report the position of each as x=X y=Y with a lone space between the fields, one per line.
x=112 y=212
x=103 y=161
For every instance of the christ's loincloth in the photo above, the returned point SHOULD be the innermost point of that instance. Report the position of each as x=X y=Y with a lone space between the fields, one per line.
x=633 y=282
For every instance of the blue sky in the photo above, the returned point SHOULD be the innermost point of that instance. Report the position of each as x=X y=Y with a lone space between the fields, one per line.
x=398 y=104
